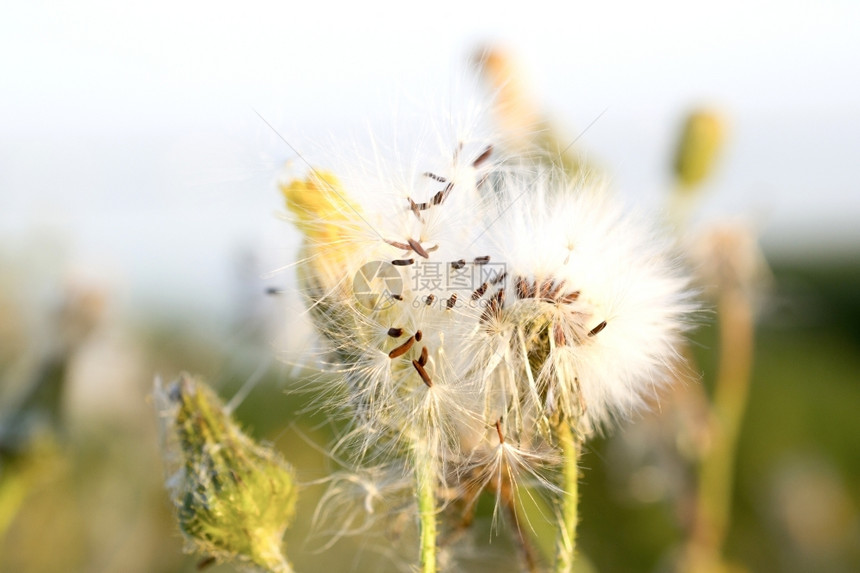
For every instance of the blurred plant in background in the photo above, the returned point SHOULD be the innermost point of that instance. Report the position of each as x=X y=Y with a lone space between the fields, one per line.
x=748 y=462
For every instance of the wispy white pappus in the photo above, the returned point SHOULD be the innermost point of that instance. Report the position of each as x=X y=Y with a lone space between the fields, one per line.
x=474 y=300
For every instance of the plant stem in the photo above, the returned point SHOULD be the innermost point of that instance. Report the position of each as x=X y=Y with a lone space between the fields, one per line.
x=566 y=541
x=716 y=476
x=425 y=486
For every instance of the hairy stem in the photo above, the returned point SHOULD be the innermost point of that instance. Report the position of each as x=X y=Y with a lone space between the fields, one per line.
x=566 y=540
x=425 y=487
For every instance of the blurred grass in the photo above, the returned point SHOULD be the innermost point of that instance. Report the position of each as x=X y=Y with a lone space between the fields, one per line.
x=98 y=504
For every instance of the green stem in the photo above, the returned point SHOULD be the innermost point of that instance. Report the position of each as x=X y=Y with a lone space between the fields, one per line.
x=731 y=393
x=425 y=485
x=566 y=541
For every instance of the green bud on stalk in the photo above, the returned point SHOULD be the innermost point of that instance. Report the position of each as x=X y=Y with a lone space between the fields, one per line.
x=234 y=498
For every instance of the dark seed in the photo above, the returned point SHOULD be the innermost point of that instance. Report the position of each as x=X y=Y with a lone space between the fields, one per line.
x=553 y=294
x=416 y=246
x=399 y=245
x=570 y=297
x=499 y=297
x=558 y=334
x=403 y=348
x=522 y=288
x=423 y=373
x=545 y=287
x=483 y=156
x=597 y=328
x=479 y=292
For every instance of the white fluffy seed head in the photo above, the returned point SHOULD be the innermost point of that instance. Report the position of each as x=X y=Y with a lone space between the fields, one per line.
x=483 y=295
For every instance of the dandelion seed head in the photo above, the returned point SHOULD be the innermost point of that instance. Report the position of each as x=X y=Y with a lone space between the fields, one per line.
x=470 y=295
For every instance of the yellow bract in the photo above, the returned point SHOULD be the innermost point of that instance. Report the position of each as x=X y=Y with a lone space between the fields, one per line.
x=328 y=223
x=318 y=203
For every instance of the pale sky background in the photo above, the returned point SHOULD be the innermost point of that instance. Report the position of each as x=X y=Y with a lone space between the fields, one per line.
x=129 y=141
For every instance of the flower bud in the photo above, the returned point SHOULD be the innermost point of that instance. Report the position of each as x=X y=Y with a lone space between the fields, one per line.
x=234 y=498
x=698 y=147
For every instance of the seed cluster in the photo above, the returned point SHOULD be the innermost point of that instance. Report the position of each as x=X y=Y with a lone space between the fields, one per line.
x=581 y=317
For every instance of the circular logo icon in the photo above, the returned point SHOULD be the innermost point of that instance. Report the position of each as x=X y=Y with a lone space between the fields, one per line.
x=377 y=285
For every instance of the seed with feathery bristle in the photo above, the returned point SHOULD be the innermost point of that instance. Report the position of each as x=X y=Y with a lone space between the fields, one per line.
x=423 y=373
x=416 y=246
x=543 y=291
x=570 y=297
x=403 y=348
x=494 y=307
x=483 y=156
x=556 y=289
x=499 y=431
x=522 y=288
x=479 y=292
x=399 y=245
x=440 y=197
x=558 y=334
x=597 y=328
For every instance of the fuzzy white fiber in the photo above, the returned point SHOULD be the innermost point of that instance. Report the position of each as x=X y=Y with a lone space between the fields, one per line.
x=524 y=299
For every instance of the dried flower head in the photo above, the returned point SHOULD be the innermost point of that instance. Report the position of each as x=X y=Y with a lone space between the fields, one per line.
x=476 y=304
